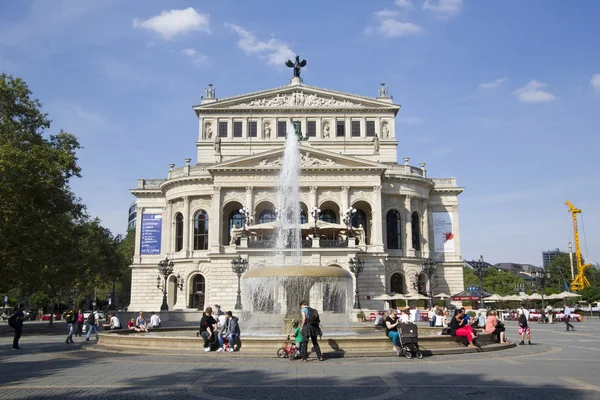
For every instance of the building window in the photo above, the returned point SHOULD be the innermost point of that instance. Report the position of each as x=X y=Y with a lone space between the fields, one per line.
x=393 y=224
x=197 y=294
x=178 y=232
x=396 y=283
x=252 y=129
x=237 y=129
x=328 y=216
x=281 y=129
x=355 y=129
x=235 y=219
x=340 y=128
x=370 y=128
x=303 y=218
x=360 y=220
x=416 y=231
x=311 y=128
x=266 y=216
x=201 y=230
x=222 y=128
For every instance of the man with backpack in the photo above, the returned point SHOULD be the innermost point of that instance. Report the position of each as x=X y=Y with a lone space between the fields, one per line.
x=70 y=317
x=310 y=329
x=92 y=322
x=15 y=321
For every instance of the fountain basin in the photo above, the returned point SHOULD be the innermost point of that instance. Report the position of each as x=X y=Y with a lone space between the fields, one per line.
x=166 y=341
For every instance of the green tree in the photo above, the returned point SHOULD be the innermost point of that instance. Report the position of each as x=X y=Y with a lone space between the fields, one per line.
x=36 y=203
x=560 y=272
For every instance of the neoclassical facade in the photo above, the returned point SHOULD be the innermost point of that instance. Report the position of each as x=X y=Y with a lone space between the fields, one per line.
x=348 y=159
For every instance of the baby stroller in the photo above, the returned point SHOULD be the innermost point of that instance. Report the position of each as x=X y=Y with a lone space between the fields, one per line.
x=409 y=341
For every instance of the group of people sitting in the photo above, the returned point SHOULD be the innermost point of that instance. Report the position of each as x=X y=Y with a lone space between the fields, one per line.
x=220 y=334
x=140 y=324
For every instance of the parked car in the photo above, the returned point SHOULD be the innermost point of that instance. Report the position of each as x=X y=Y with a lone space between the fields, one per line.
x=46 y=317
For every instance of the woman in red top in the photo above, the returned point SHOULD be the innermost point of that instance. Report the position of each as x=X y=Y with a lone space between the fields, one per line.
x=79 y=326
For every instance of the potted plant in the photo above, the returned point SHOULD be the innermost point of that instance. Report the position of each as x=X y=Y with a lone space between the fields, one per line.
x=360 y=316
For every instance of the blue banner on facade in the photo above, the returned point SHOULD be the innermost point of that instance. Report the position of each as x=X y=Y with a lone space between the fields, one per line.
x=151 y=232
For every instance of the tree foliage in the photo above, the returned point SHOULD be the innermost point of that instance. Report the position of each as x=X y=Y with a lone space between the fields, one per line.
x=496 y=281
x=51 y=251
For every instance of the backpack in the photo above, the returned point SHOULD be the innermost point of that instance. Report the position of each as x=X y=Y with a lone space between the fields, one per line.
x=12 y=320
x=91 y=319
x=69 y=318
x=313 y=317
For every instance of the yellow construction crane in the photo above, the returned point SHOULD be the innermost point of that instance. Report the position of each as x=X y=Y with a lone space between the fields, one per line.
x=580 y=281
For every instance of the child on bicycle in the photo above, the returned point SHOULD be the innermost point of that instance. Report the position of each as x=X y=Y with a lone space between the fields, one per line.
x=298 y=337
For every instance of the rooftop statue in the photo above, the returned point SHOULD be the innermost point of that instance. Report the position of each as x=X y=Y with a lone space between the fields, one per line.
x=296 y=65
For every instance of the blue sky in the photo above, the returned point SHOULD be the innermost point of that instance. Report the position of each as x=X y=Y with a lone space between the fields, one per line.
x=503 y=95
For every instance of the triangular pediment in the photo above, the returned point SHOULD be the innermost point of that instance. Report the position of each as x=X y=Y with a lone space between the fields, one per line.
x=310 y=158
x=298 y=97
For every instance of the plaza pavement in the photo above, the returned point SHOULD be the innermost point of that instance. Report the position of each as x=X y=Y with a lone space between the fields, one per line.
x=560 y=365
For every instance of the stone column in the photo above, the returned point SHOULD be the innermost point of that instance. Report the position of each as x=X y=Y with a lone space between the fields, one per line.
x=214 y=232
x=426 y=248
x=186 y=225
x=250 y=198
x=377 y=218
x=313 y=202
x=409 y=252
x=344 y=200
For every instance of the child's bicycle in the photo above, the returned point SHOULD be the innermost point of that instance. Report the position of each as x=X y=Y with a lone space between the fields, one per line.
x=289 y=350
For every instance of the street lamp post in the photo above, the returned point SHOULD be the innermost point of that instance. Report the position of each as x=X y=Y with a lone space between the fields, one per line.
x=348 y=216
x=428 y=268
x=247 y=218
x=356 y=267
x=238 y=265
x=315 y=213
x=165 y=269
x=480 y=269
x=539 y=277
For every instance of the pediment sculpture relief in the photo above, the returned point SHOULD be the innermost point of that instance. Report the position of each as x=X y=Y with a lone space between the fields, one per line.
x=306 y=160
x=299 y=99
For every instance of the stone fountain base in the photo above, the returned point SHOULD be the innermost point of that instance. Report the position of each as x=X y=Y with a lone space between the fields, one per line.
x=182 y=342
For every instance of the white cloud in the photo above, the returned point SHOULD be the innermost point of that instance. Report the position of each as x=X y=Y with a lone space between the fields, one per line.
x=273 y=50
x=175 y=22
x=443 y=9
x=531 y=93
x=595 y=81
x=404 y=3
x=493 y=84
x=197 y=58
x=390 y=27
x=385 y=13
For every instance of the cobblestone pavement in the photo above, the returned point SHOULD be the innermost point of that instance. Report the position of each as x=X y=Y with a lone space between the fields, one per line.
x=560 y=365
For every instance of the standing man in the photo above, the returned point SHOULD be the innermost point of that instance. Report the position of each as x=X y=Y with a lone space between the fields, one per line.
x=92 y=321
x=310 y=329
x=16 y=321
x=568 y=318
x=70 y=318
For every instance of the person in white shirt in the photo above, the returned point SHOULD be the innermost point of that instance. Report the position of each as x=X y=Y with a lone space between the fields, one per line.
x=405 y=317
x=523 y=310
x=568 y=318
x=222 y=320
x=431 y=316
x=155 y=321
x=114 y=322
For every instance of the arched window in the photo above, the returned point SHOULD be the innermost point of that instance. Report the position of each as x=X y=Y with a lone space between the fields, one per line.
x=201 y=230
x=303 y=218
x=266 y=216
x=360 y=218
x=328 y=216
x=397 y=283
x=197 y=293
x=416 y=231
x=178 y=232
x=393 y=224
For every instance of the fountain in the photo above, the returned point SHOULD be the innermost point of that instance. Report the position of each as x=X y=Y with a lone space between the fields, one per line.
x=276 y=290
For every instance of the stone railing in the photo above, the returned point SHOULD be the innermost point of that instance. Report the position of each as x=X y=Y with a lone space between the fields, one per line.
x=149 y=183
x=405 y=169
x=333 y=243
x=192 y=170
x=444 y=182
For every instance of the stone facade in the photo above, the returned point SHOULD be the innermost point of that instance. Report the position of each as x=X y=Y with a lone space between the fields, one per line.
x=348 y=160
